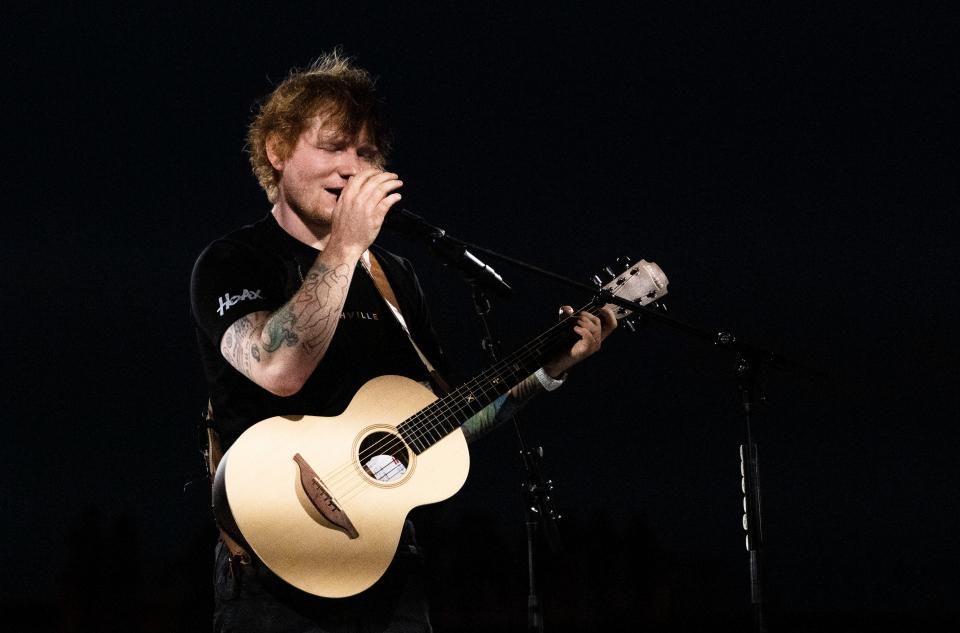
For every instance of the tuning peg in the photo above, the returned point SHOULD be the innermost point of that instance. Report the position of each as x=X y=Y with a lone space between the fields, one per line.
x=605 y=276
x=623 y=262
x=630 y=325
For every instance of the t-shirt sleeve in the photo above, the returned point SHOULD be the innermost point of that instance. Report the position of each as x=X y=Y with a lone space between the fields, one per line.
x=229 y=281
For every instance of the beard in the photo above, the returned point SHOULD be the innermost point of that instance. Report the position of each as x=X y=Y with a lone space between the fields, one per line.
x=313 y=205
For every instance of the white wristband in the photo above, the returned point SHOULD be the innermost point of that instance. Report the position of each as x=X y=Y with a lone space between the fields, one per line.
x=549 y=383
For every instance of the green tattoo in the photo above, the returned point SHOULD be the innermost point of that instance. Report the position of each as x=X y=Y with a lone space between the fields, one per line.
x=501 y=409
x=279 y=330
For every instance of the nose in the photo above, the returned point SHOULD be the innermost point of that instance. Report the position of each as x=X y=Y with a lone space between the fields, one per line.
x=350 y=163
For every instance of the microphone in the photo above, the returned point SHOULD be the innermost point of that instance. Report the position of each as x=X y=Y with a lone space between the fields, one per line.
x=410 y=224
x=452 y=251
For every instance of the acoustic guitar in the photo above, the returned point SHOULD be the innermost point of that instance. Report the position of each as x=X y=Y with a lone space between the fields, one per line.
x=322 y=500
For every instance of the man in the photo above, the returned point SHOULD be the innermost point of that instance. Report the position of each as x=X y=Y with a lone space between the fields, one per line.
x=291 y=321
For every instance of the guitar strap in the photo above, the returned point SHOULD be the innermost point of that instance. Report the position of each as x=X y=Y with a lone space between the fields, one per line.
x=383 y=287
x=212 y=456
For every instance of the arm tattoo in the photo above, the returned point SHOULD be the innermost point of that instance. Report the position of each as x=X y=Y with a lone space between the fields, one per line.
x=319 y=304
x=279 y=329
x=501 y=409
x=308 y=319
x=236 y=345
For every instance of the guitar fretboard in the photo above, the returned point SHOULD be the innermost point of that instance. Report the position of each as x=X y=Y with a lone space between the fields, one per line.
x=443 y=416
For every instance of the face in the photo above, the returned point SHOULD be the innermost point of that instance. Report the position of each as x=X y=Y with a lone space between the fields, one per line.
x=318 y=168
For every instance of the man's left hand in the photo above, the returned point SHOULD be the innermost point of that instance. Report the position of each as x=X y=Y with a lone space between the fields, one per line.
x=591 y=329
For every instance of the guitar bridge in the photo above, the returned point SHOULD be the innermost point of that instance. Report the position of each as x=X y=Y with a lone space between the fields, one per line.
x=322 y=500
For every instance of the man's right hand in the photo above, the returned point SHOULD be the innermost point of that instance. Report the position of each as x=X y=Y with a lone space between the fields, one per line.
x=361 y=209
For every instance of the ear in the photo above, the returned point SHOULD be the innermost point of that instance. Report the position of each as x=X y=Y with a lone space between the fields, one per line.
x=273 y=152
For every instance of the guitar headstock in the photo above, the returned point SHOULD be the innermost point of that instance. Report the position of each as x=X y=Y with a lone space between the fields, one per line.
x=642 y=281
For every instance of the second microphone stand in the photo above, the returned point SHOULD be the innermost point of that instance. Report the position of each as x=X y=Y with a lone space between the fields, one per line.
x=540 y=515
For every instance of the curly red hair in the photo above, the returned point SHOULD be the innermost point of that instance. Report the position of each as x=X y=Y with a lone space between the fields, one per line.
x=331 y=87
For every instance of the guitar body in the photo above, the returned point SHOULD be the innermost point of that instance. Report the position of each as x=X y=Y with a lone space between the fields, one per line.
x=270 y=505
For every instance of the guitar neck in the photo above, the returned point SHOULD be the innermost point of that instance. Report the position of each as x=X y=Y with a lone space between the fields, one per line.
x=443 y=416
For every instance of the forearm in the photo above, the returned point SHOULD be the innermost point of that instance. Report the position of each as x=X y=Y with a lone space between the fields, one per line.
x=502 y=409
x=279 y=351
x=590 y=328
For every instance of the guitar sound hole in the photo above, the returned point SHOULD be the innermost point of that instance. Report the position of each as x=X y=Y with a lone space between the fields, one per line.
x=384 y=457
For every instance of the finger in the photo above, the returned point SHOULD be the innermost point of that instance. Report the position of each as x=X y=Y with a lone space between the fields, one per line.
x=385 y=205
x=378 y=187
x=608 y=321
x=351 y=191
x=589 y=338
x=386 y=186
x=356 y=181
x=355 y=191
x=370 y=180
x=564 y=312
x=586 y=330
x=592 y=320
x=378 y=178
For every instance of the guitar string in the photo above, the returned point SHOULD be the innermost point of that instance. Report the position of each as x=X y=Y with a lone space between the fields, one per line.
x=430 y=422
x=514 y=368
x=528 y=352
x=394 y=468
x=423 y=424
x=434 y=421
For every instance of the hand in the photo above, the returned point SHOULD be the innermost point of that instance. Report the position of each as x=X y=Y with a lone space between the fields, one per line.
x=592 y=330
x=361 y=208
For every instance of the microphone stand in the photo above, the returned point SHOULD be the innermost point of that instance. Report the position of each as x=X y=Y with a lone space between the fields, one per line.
x=747 y=370
x=540 y=515
x=750 y=360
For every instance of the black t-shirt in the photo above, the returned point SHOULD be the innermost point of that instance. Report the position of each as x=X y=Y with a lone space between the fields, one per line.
x=259 y=267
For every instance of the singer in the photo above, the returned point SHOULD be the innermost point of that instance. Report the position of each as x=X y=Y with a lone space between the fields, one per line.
x=295 y=312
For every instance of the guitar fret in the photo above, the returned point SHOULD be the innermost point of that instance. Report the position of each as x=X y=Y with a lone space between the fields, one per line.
x=432 y=433
x=448 y=413
x=410 y=438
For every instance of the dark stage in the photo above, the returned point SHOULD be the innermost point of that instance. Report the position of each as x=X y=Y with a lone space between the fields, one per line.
x=792 y=169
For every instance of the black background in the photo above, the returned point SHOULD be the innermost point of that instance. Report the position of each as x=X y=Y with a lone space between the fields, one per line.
x=790 y=167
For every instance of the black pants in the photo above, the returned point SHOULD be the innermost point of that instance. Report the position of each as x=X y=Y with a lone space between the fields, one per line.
x=257 y=601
